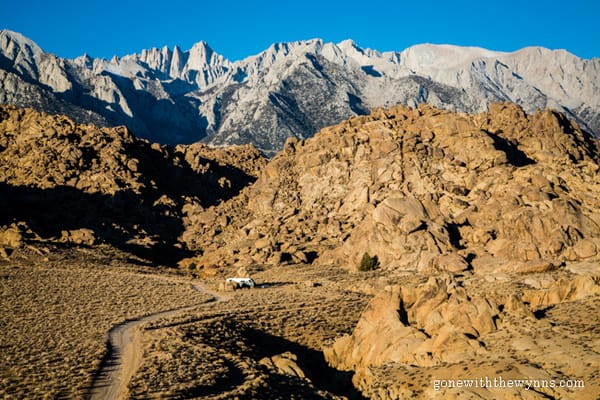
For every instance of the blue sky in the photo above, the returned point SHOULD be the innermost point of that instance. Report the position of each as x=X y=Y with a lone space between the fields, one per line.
x=238 y=29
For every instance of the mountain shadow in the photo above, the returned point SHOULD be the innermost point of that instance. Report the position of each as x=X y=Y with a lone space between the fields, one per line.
x=118 y=220
x=311 y=361
x=139 y=223
x=59 y=176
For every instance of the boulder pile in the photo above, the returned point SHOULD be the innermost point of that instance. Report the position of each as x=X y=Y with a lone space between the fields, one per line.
x=423 y=190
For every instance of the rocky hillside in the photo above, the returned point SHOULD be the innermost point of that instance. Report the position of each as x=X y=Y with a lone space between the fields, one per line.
x=477 y=235
x=64 y=182
x=288 y=90
x=483 y=231
x=424 y=189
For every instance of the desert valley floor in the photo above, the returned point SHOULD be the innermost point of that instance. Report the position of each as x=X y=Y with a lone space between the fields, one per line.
x=265 y=342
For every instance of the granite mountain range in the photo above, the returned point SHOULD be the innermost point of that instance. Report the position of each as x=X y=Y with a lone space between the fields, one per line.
x=290 y=89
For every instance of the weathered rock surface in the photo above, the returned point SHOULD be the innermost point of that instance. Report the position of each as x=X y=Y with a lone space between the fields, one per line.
x=486 y=226
x=486 y=230
x=284 y=364
x=416 y=340
x=431 y=324
x=81 y=184
x=423 y=190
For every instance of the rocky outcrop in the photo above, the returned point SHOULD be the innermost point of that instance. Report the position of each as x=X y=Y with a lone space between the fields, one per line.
x=472 y=190
x=431 y=324
x=83 y=185
x=423 y=190
x=285 y=363
x=485 y=228
x=418 y=339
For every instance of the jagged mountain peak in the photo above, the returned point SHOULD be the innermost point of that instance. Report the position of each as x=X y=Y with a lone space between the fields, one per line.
x=199 y=66
x=201 y=55
x=351 y=48
x=290 y=88
x=348 y=43
x=201 y=43
x=271 y=63
x=282 y=49
x=10 y=38
x=19 y=53
x=84 y=61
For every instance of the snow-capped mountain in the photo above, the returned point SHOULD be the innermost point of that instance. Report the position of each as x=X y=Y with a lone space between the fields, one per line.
x=290 y=89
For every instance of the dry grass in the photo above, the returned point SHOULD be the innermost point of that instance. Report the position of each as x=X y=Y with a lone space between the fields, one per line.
x=215 y=351
x=55 y=321
x=56 y=316
x=57 y=312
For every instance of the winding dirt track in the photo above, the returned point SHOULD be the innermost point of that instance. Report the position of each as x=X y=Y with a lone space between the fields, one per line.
x=125 y=351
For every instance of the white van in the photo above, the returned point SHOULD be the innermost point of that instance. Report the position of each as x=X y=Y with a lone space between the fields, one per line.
x=239 y=283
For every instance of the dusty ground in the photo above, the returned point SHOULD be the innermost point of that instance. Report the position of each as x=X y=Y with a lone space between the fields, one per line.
x=57 y=311
x=219 y=352
x=265 y=342
x=56 y=315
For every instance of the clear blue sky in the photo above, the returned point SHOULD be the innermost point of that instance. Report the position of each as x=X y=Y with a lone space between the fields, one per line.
x=238 y=29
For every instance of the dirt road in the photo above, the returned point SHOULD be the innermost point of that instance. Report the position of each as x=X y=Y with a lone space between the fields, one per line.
x=125 y=351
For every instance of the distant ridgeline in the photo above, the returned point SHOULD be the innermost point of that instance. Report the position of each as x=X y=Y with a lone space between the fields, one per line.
x=290 y=89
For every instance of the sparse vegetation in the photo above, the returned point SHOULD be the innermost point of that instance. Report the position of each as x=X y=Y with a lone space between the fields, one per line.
x=367 y=263
x=219 y=348
x=56 y=317
x=55 y=321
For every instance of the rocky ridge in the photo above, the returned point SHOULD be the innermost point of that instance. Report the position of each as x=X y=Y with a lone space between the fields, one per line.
x=290 y=89
x=65 y=182
x=492 y=191
x=486 y=232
